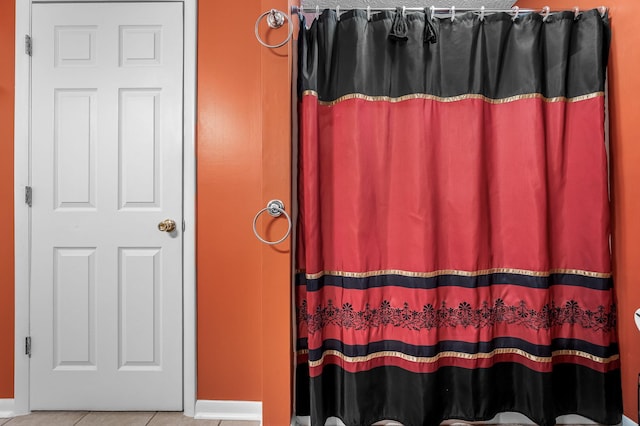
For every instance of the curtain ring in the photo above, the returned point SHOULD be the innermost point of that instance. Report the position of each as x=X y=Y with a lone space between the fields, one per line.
x=482 y=13
x=404 y=11
x=453 y=13
x=602 y=10
x=433 y=12
x=275 y=19
x=545 y=12
x=338 y=12
x=317 y=12
x=516 y=12
x=275 y=208
x=576 y=13
x=369 y=13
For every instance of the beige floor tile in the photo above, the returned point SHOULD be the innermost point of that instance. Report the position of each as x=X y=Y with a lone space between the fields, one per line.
x=238 y=423
x=116 y=419
x=3 y=421
x=179 y=419
x=48 y=418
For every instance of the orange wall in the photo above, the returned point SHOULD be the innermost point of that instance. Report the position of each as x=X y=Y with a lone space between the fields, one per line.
x=244 y=287
x=7 y=30
x=229 y=153
x=624 y=104
x=277 y=395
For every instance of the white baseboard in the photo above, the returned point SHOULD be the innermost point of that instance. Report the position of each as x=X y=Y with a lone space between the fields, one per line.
x=229 y=410
x=7 y=408
x=626 y=421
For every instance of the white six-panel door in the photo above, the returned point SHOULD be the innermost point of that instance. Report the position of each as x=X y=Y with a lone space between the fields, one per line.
x=106 y=283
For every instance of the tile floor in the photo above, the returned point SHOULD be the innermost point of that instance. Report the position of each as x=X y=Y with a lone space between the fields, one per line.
x=91 y=418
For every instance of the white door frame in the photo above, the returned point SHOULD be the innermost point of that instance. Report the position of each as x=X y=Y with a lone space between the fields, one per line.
x=22 y=173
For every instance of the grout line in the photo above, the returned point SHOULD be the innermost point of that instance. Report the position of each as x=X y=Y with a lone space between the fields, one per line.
x=80 y=419
x=152 y=417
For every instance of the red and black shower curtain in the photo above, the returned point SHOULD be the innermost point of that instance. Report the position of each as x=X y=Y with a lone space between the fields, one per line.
x=453 y=233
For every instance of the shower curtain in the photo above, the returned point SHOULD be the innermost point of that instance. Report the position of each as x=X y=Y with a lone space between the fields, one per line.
x=453 y=255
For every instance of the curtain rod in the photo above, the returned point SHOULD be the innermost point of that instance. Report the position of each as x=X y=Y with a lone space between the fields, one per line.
x=544 y=11
x=276 y=18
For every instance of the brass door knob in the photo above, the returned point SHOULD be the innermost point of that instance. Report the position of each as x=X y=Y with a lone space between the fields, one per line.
x=167 y=225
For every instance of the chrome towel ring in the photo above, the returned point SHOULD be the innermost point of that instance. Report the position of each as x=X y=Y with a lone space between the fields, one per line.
x=275 y=19
x=275 y=208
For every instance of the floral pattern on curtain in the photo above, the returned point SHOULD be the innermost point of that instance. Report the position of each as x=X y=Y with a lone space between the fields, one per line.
x=453 y=253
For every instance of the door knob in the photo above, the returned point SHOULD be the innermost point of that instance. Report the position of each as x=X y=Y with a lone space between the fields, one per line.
x=167 y=225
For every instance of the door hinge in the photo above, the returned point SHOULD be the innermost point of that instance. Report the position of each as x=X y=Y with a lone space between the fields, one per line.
x=28 y=46
x=184 y=225
x=28 y=195
x=27 y=346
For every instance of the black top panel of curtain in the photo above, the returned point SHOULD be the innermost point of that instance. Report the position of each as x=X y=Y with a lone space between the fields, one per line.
x=497 y=57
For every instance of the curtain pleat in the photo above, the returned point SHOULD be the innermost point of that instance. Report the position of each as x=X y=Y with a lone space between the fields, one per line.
x=453 y=234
